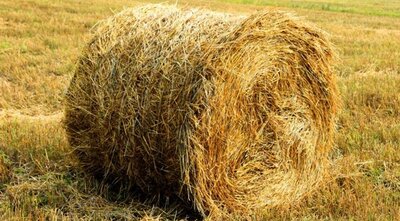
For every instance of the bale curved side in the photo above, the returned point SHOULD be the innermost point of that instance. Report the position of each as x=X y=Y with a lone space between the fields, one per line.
x=230 y=114
x=137 y=81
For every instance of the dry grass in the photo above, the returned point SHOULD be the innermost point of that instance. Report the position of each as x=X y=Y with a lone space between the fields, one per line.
x=39 y=43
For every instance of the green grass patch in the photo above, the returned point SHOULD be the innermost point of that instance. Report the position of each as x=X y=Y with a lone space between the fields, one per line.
x=371 y=7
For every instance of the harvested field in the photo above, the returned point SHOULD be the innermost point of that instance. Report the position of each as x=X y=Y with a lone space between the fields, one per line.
x=42 y=41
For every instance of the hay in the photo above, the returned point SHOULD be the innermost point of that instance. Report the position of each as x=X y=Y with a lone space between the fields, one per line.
x=230 y=114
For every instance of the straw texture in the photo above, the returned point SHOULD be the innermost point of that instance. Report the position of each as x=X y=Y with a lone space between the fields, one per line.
x=230 y=114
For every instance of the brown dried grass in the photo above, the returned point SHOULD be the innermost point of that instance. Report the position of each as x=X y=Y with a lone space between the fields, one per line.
x=5 y=169
x=230 y=114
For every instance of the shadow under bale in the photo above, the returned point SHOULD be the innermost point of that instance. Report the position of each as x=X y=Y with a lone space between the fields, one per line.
x=231 y=114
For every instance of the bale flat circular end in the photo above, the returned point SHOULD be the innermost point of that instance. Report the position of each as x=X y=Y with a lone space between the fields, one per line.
x=231 y=114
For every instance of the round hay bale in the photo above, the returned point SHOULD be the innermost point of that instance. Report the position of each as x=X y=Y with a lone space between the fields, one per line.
x=231 y=114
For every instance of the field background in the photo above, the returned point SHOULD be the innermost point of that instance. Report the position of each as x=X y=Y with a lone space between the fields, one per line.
x=40 y=41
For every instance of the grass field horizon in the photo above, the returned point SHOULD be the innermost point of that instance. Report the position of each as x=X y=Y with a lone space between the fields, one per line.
x=41 y=40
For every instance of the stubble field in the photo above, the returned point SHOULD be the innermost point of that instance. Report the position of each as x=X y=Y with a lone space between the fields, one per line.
x=40 y=41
